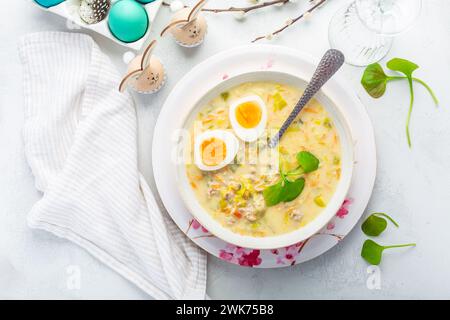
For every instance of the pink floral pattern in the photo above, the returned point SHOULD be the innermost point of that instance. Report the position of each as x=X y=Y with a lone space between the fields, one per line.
x=287 y=255
x=331 y=225
x=343 y=210
x=197 y=226
x=240 y=256
x=283 y=256
x=268 y=65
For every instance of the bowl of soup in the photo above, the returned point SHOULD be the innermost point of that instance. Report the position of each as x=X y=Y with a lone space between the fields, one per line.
x=248 y=192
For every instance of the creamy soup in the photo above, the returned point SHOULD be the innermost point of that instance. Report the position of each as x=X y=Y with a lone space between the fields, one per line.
x=234 y=194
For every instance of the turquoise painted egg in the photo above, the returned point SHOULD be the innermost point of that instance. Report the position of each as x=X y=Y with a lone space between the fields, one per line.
x=128 y=20
x=48 y=3
x=145 y=1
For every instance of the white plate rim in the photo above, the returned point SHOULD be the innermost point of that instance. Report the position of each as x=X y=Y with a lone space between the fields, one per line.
x=267 y=56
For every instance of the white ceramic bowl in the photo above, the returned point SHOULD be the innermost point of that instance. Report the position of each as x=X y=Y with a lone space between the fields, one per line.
x=298 y=235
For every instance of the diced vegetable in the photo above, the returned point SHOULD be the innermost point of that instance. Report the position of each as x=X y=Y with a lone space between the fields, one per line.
x=225 y=95
x=327 y=123
x=278 y=102
x=320 y=202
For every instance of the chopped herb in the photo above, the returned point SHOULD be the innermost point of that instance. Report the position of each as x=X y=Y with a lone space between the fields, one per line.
x=225 y=95
x=336 y=160
x=372 y=251
x=327 y=123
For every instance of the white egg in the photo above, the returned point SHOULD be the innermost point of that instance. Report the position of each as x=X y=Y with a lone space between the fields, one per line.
x=248 y=117
x=214 y=149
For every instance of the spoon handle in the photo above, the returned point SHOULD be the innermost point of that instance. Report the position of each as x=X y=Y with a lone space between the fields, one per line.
x=331 y=61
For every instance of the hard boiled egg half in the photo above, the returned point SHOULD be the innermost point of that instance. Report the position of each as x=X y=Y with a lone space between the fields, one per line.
x=214 y=149
x=248 y=117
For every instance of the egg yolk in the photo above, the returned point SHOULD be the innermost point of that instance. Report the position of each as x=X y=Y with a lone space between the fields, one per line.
x=213 y=151
x=248 y=114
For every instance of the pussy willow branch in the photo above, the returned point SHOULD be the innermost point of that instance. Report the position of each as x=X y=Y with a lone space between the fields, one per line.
x=242 y=9
x=290 y=22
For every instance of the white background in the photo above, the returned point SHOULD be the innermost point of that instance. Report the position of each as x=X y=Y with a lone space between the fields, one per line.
x=412 y=185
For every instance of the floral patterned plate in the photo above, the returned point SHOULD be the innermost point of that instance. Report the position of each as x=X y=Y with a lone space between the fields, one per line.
x=212 y=72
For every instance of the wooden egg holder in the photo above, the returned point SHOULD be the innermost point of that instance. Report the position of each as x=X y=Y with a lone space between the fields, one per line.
x=69 y=10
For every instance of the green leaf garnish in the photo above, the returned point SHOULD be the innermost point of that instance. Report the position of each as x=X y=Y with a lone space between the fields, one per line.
x=292 y=189
x=372 y=251
x=273 y=195
x=307 y=161
x=407 y=68
x=374 y=81
x=278 y=102
x=286 y=190
x=376 y=223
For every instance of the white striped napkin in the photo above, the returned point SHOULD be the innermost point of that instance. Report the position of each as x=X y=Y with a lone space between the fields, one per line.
x=81 y=144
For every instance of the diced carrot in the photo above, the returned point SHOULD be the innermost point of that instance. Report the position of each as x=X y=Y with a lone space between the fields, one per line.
x=310 y=110
x=193 y=185
x=237 y=214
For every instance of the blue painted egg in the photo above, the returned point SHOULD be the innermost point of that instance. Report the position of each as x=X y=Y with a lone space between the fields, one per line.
x=128 y=20
x=48 y=3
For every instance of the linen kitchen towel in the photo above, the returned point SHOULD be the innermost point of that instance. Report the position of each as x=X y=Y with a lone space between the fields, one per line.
x=80 y=136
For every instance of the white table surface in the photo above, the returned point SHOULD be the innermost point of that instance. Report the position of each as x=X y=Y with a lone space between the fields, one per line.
x=412 y=185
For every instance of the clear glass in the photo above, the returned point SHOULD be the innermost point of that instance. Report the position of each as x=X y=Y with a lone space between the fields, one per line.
x=364 y=30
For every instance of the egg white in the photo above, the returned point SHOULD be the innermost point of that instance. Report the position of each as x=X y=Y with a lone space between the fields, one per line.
x=231 y=142
x=250 y=134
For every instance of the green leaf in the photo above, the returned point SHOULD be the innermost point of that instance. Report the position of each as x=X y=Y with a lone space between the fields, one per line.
x=286 y=190
x=292 y=189
x=374 y=80
x=376 y=223
x=307 y=161
x=273 y=194
x=372 y=252
x=402 y=65
x=407 y=68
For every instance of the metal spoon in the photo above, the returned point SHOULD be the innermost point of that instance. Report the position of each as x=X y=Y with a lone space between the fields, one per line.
x=331 y=61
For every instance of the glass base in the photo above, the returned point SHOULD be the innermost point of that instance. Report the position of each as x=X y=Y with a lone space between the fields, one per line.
x=360 y=45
